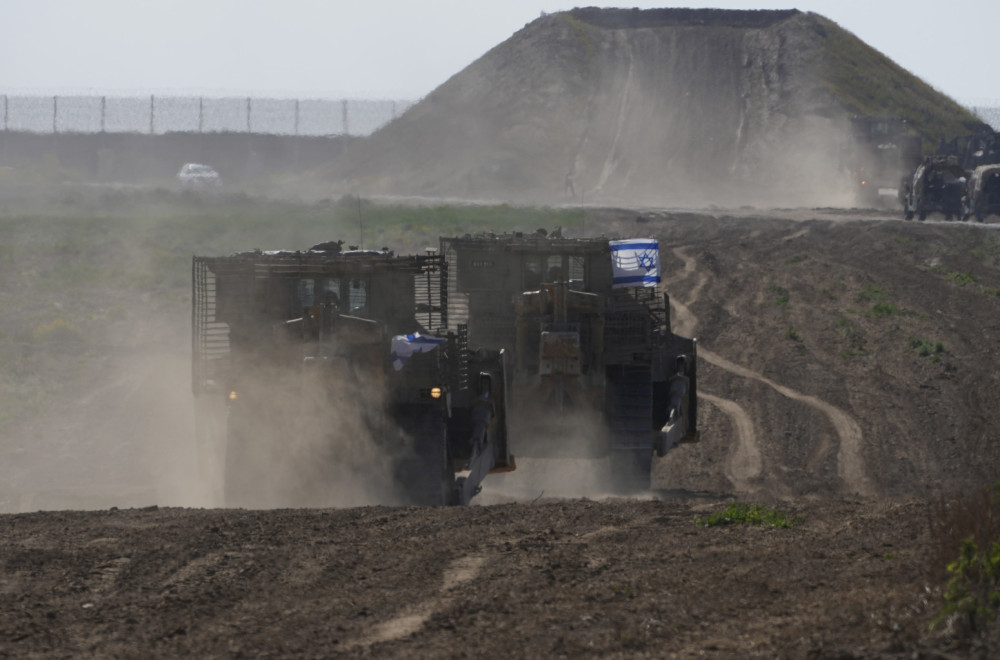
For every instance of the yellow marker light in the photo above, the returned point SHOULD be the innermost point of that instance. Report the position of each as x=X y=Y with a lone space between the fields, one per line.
x=233 y=396
x=435 y=392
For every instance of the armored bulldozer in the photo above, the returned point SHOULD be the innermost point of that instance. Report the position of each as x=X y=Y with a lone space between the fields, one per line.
x=937 y=185
x=882 y=151
x=596 y=369
x=316 y=367
x=974 y=149
x=982 y=193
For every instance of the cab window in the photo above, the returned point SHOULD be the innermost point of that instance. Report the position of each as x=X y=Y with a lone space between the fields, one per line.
x=358 y=297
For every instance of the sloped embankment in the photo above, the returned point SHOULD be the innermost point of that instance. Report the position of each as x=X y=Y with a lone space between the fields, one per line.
x=673 y=106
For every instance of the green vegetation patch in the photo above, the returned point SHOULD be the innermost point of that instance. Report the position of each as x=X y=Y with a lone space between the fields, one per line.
x=987 y=248
x=583 y=34
x=781 y=296
x=855 y=341
x=961 y=279
x=972 y=593
x=870 y=293
x=925 y=348
x=883 y=309
x=745 y=513
x=880 y=307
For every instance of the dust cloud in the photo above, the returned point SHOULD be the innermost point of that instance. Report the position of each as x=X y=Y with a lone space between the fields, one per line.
x=132 y=440
x=543 y=478
x=122 y=428
x=557 y=456
x=125 y=440
x=318 y=438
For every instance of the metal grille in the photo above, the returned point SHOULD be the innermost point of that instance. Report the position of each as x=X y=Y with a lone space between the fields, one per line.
x=630 y=321
x=493 y=329
x=630 y=406
x=223 y=293
x=210 y=338
x=462 y=350
x=458 y=303
x=431 y=296
x=627 y=322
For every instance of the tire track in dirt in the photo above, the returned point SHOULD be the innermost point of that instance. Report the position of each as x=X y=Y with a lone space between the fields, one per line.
x=459 y=571
x=612 y=529
x=850 y=463
x=744 y=464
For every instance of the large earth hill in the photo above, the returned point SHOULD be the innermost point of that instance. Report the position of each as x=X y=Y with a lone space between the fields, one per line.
x=662 y=106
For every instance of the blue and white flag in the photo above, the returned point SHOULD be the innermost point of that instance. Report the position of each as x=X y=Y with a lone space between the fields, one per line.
x=636 y=262
x=403 y=346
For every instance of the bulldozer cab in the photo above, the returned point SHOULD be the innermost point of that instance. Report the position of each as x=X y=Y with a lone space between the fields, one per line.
x=880 y=153
x=317 y=302
x=499 y=279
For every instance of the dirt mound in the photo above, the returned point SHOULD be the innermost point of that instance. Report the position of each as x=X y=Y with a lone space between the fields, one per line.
x=660 y=107
x=653 y=18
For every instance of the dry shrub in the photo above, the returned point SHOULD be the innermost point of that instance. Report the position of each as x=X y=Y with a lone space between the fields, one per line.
x=59 y=331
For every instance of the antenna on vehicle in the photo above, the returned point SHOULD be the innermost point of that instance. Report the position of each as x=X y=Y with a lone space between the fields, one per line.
x=361 y=226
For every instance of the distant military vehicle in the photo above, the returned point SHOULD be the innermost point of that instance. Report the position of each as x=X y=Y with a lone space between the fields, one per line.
x=882 y=151
x=300 y=356
x=597 y=370
x=979 y=148
x=982 y=193
x=937 y=186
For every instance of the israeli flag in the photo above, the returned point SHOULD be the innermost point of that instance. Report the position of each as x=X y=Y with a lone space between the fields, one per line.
x=403 y=346
x=636 y=262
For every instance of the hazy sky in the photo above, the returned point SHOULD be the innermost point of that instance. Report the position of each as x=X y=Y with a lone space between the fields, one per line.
x=399 y=49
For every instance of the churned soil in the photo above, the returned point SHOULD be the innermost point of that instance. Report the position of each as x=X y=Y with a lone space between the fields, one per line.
x=575 y=578
x=847 y=379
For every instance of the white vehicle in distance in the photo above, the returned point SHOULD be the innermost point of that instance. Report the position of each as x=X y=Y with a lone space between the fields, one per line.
x=196 y=175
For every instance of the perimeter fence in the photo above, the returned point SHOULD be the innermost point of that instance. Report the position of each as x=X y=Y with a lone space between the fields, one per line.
x=264 y=116
x=157 y=115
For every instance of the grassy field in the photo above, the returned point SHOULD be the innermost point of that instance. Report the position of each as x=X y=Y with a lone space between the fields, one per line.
x=87 y=273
